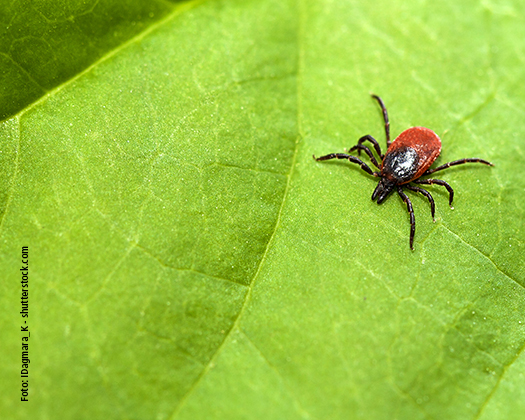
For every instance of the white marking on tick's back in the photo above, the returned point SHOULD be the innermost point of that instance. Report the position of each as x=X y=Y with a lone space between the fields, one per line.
x=404 y=162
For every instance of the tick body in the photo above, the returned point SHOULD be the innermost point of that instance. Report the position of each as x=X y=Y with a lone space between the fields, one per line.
x=406 y=160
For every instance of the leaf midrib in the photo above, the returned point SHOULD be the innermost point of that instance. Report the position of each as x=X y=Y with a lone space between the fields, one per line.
x=300 y=136
x=177 y=10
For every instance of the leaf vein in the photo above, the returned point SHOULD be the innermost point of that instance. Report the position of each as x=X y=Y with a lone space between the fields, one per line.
x=176 y=12
x=24 y=71
x=183 y=269
x=13 y=178
x=496 y=385
x=486 y=256
x=301 y=409
x=235 y=325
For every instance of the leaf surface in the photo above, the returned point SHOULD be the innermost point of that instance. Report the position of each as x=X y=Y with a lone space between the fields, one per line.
x=189 y=259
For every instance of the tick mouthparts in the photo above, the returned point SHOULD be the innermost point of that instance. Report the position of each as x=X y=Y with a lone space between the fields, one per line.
x=406 y=159
x=382 y=190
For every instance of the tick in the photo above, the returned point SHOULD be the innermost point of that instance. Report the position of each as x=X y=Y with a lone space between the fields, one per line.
x=406 y=160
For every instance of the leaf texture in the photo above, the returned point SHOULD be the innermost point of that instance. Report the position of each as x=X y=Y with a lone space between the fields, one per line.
x=188 y=257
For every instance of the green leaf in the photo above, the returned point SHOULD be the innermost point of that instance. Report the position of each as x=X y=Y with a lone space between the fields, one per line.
x=43 y=44
x=189 y=259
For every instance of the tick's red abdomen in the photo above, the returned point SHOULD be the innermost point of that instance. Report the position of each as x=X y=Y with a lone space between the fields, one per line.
x=411 y=154
x=407 y=158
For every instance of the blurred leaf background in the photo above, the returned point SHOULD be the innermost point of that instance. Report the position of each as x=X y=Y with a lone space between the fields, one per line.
x=189 y=259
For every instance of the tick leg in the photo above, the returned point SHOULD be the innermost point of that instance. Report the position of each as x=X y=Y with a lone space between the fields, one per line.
x=373 y=141
x=385 y=117
x=412 y=217
x=427 y=195
x=360 y=147
x=351 y=158
x=457 y=162
x=438 y=182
